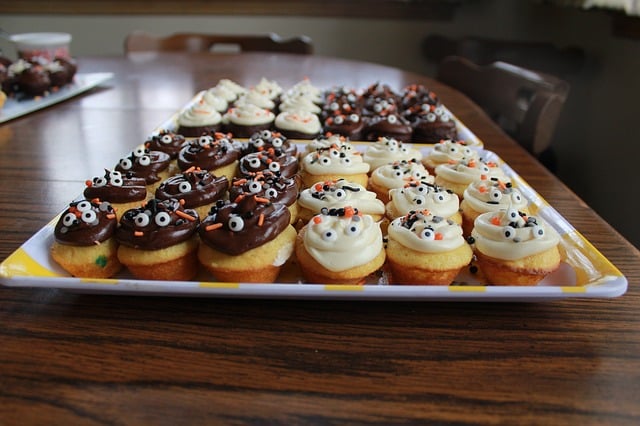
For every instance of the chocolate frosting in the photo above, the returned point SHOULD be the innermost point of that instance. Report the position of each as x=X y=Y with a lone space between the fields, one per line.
x=209 y=152
x=392 y=125
x=116 y=187
x=34 y=80
x=285 y=165
x=195 y=186
x=145 y=164
x=86 y=223
x=349 y=125
x=275 y=188
x=237 y=227
x=166 y=141
x=268 y=139
x=157 y=225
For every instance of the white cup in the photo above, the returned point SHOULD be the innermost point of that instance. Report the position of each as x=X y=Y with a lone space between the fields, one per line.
x=45 y=45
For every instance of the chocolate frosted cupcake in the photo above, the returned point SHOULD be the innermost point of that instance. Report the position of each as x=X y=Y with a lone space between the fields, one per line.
x=158 y=241
x=198 y=188
x=348 y=125
x=390 y=125
x=123 y=190
x=218 y=153
x=153 y=166
x=268 y=139
x=431 y=123
x=284 y=165
x=84 y=242
x=416 y=94
x=169 y=142
x=246 y=240
x=271 y=186
x=33 y=80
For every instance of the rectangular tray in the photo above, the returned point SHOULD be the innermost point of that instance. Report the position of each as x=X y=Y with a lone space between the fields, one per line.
x=584 y=272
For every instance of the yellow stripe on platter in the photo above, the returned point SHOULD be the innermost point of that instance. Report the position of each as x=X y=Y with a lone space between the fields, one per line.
x=218 y=285
x=468 y=288
x=110 y=281
x=20 y=264
x=577 y=289
x=343 y=287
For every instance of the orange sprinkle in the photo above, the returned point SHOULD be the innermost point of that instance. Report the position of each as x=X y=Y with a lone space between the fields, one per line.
x=213 y=227
x=349 y=211
x=240 y=182
x=482 y=189
x=484 y=177
x=190 y=169
x=185 y=216
x=138 y=233
x=88 y=182
x=439 y=236
x=181 y=201
x=502 y=185
x=317 y=220
x=238 y=198
x=495 y=220
x=261 y=219
x=261 y=199
x=472 y=163
x=96 y=200
x=318 y=187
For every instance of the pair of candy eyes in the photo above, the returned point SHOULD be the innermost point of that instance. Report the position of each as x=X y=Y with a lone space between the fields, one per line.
x=255 y=163
x=161 y=219
x=326 y=161
x=256 y=187
x=351 y=230
x=208 y=140
x=275 y=142
x=431 y=117
x=438 y=197
x=416 y=174
x=338 y=194
x=496 y=195
x=509 y=232
x=467 y=152
x=144 y=161
x=339 y=119
x=87 y=213
x=115 y=179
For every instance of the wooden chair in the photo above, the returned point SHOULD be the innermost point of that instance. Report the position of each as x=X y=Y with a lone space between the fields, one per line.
x=524 y=103
x=140 y=41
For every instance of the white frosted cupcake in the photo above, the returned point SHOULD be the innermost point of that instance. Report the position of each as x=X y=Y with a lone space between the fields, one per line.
x=198 y=118
x=268 y=88
x=298 y=124
x=244 y=120
x=457 y=176
x=420 y=196
x=255 y=98
x=306 y=89
x=332 y=163
x=232 y=89
x=214 y=99
x=338 y=194
x=387 y=150
x=397 y=175
x=325 y=142
x=448 y=151
x=299 y=102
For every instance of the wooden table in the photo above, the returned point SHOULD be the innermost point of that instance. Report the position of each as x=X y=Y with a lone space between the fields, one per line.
x=69 y=358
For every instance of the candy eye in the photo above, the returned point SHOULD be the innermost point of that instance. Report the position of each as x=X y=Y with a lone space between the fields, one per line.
x=329 y=235
x=145 y=160
x=69 y=219
x=236 y=224
x=419 y=200
x=445 y=117
x=162 y=219
x=258 y=142
x=139 y=152
x=255 y=187
x=83 y=206
x=266 y=134
x=431 y=117
x=428 y=234
x=254 y=162
x=325 y=161
x=467 y=152
x=205 y=140
x=422 y=189
x=277 y=142
x=334 y=153
x=334 y=106
x=184 y=187
x=537 y=231
x=99 y=181
x=512 y=214
x=516 y=197
x=126 y=164
x=166 y=139
x=141 y=220
x=274 y=166
x=441 y=197
x=89 y=217
x=377 y=108
x=453 y=149
x=495 y=194
x=345 y=160
x=397 y=173
x=271 y=193
x=392 y=119
x=338 y=119
x=340 y=194
x=354 y=118
x=353 y=229
x=508 y=232
x=116 y=180
x=438 y=111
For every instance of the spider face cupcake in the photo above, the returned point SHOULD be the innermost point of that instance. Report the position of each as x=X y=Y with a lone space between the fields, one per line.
x=84 y=240
x=268 y=139
x=457 y=176
x=153 y=166
x=284 y=165
x=271 y=186
x=387 y=150
x=217 y=153
x=431 y=123
x=417 y=196
x=332 y=163
x=123 y=191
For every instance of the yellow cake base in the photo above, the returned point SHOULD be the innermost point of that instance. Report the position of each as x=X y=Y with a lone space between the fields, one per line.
x=174 y=263
x=97 y=261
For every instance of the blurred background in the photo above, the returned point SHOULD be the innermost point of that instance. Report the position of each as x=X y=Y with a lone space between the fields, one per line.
x=596 y=49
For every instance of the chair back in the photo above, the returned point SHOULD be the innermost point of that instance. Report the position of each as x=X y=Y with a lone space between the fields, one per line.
x=140 y=41
x=525 y=104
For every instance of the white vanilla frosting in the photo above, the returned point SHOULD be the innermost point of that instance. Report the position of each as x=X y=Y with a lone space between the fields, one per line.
x=269 y=88
x=416 y=196
x=387 y=150
x=248 y=115
x=341 y=242
x=323 y=142
x=467 y=171
x=218 y=102
x=299 y=121
x=508 y=235
x=199 y=114
x=255 y=98
x=491 y=195
x=299 y=103
x=399 y=173
x=17 y=67
x=340 y=193
x=306 y=89
x=426 y=233
x=448 y=150
x=342 y=159
x=230 y=86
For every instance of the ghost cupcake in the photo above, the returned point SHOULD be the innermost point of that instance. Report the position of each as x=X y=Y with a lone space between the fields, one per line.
x=448 y=151
x=420 y=196
x=387 y=150
x=396 y=175
x=332 y=163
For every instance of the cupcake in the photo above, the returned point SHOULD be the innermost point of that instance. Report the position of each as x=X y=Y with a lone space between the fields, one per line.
x=349 y=125
x=244 y=120
x=84 y=243
x=298 y=124
x=396 y=175
x=271 y=186
x=215 y=99
x=458 y=175
x=423 y=248
x=229 y=90
x=304 y=89
x=122 y=191
x=168 y=142
x=431 y=123
x=390 y=125
x=33 y=80
x=340 y=246
x=332 y=163
x=387 y=150
x=246 y=240
x=199 y=189
x=267 y=139
x=159 y=240
x=197 y=119
x=512 y=248
x=448 y=151
x=299 y=102
x=337 y=194
x=342 y=101
x=268 y=88
x=323 y=142
x=253 y=97
x=489 y=195
x=153 y=166
x=420 y=196
x=269 y=160
x=217 y=153
x=414 y=94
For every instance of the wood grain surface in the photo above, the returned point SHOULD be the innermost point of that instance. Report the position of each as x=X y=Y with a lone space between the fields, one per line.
x=74 y=359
